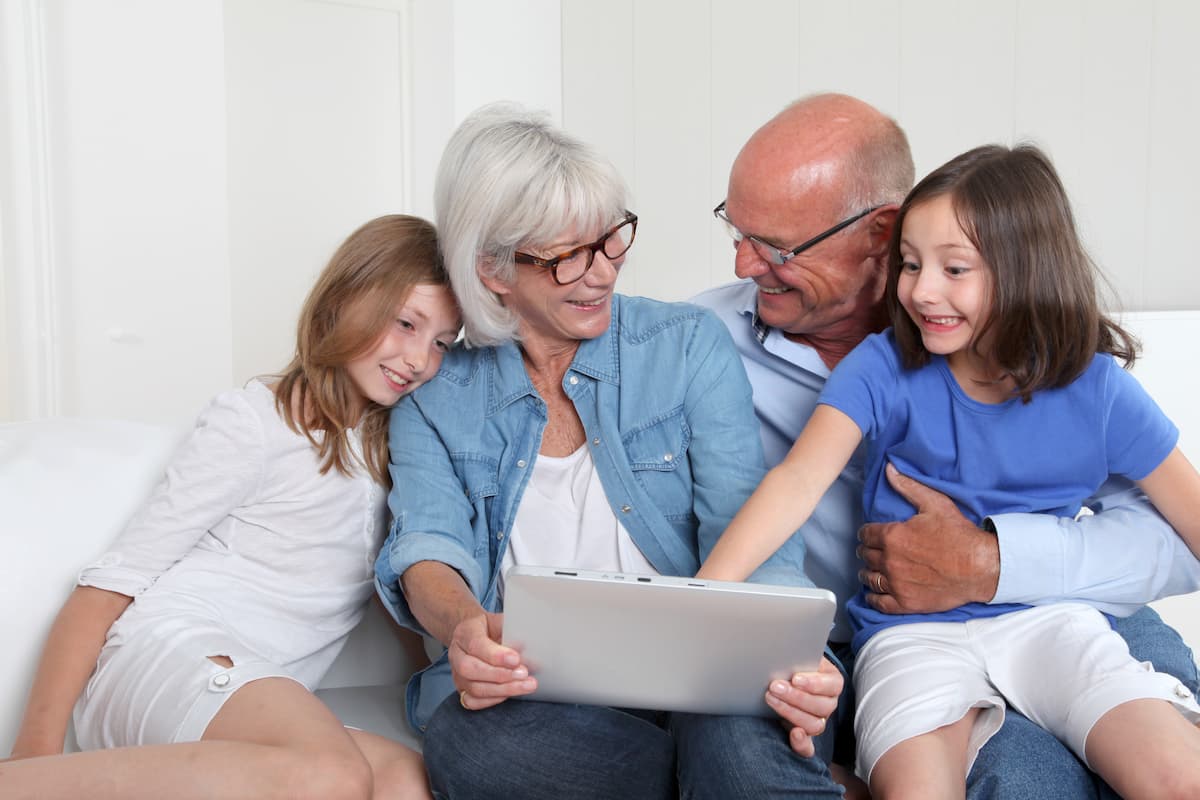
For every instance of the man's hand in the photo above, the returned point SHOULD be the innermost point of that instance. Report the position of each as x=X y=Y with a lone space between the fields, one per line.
x=935 y=561
x=806 y=703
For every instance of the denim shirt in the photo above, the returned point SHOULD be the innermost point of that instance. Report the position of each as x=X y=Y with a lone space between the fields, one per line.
x=670 y=424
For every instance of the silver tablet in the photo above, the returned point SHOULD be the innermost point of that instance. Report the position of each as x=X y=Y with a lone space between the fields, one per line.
x=673 y=644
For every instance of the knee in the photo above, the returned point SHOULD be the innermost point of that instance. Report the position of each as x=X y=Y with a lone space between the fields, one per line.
x=401 y=777
x=1179 y=785
x=344 y=775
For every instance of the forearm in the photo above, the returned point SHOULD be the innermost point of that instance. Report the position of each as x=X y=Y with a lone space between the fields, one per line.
x=439 y=598
x=67 y=661
x=1118 y=560
x=758 y=530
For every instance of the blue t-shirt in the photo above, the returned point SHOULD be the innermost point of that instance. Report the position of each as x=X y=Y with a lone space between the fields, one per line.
x=1045 y=456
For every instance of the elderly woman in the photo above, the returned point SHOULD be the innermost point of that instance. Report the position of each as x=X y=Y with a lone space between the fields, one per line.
x=576 y=428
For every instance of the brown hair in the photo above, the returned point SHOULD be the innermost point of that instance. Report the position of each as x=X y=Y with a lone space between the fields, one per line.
x=354 y=299
x=1045 y=323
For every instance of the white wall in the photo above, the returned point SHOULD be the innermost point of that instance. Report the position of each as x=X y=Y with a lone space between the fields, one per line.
x=671 y=90
x=176 y=171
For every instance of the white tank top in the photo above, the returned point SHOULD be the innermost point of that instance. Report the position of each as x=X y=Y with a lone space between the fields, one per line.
x=564 y=520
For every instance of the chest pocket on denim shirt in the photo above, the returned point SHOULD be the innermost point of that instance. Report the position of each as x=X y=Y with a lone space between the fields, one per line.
x=657 y=454
x=480 y=476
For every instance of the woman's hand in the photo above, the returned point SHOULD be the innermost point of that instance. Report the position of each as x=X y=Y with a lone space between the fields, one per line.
x=486 y=672
x=806 y=703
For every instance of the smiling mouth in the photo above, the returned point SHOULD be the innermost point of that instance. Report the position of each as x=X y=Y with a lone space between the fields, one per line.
x=942 y=322
x=774 y=290
x=398 y=382
x=589 y=304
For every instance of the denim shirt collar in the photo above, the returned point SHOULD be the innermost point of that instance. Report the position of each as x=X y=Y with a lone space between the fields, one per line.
x=597 y=358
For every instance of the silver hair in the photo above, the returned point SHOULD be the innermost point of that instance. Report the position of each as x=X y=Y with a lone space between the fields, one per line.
x=508 y=180
x=880 y=171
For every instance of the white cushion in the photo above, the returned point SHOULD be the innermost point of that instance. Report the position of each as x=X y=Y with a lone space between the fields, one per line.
x=66 y=489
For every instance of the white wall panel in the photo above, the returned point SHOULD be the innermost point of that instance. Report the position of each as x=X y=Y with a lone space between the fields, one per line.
x=758 y=48
x=672 y=150
x=956 y=76
x=1112 y=191
x=137 y=147
x=317 y=144
x=1170 y=272
x=507 y=51
x=851 y=47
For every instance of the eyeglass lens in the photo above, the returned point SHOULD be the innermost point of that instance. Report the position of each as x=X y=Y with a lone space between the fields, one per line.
x=615 y=244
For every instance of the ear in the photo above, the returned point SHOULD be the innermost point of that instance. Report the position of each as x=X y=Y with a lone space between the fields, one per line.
x=883 y=221
x=484 y=268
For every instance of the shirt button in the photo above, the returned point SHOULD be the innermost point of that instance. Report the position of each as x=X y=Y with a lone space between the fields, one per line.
x=669 y=457
x=1181 y=691
x=499 y=534
x=596 y=441
x=626 y=509
x=220 y=681
x=521 y=463
x=573 y=380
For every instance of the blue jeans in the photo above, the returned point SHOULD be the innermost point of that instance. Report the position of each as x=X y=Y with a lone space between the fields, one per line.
x=534 y=751
x=1024 y=762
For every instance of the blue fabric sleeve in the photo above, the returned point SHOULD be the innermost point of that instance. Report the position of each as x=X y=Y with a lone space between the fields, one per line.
x=1139 y=435
x=864 y=382
x=431 y=512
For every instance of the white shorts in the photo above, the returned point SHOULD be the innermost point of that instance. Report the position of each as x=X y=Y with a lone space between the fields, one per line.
x=1062 y=666
x=157 y=684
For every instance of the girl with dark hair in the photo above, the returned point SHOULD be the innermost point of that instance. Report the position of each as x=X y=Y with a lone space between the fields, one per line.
x=999 y=386
x=192 y=645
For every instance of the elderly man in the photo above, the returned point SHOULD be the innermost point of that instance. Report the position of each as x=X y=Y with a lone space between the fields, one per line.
x=810 y=207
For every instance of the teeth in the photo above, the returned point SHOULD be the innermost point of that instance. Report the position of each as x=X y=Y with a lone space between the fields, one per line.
x=942 y=320
x=780 y=290
x=393 y=377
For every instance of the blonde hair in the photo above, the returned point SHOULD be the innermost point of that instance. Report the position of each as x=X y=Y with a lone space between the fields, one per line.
x=354 y=299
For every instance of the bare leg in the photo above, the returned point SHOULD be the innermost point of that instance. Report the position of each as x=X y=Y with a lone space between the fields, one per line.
x=271 y=739
x=399 y=771
x=1146 y=748
x=932 y=765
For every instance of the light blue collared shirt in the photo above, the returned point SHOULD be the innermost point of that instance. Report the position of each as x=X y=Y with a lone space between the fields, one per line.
x=1117 y=560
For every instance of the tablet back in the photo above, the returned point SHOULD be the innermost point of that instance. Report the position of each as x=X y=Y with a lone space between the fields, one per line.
x=657 y=642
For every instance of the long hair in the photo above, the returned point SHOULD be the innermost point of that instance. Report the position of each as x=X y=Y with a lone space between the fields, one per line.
x=346 y=312
x=509 y=179
x=1045 y=324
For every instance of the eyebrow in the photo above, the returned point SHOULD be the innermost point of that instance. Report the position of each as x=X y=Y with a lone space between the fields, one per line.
x=942 y=245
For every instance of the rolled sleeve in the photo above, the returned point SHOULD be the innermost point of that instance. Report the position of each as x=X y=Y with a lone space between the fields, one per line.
x=1117 y=560
x=433 y=513
x=214 y=471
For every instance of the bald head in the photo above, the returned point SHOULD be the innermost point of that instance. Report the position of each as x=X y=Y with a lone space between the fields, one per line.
x=832 y=169
x=831 y=145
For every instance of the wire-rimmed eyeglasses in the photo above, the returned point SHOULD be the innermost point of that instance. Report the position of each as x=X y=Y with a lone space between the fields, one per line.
x=776 y=255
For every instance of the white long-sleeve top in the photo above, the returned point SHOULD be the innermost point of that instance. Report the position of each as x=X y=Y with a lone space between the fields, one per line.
x=246 y=532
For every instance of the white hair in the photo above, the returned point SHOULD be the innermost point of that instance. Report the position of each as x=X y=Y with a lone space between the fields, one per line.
x=510 y=180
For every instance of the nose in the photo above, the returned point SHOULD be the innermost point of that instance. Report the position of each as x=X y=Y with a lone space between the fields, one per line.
x=417 y=357
x=747 y=263
x=927 y=287
x=604 y=270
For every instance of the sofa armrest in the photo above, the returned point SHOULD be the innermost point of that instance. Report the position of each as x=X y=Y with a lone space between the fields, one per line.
x=66 y=489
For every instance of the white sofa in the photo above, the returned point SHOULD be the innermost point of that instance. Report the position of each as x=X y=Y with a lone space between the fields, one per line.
x=67 y=486
x=66 y=489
